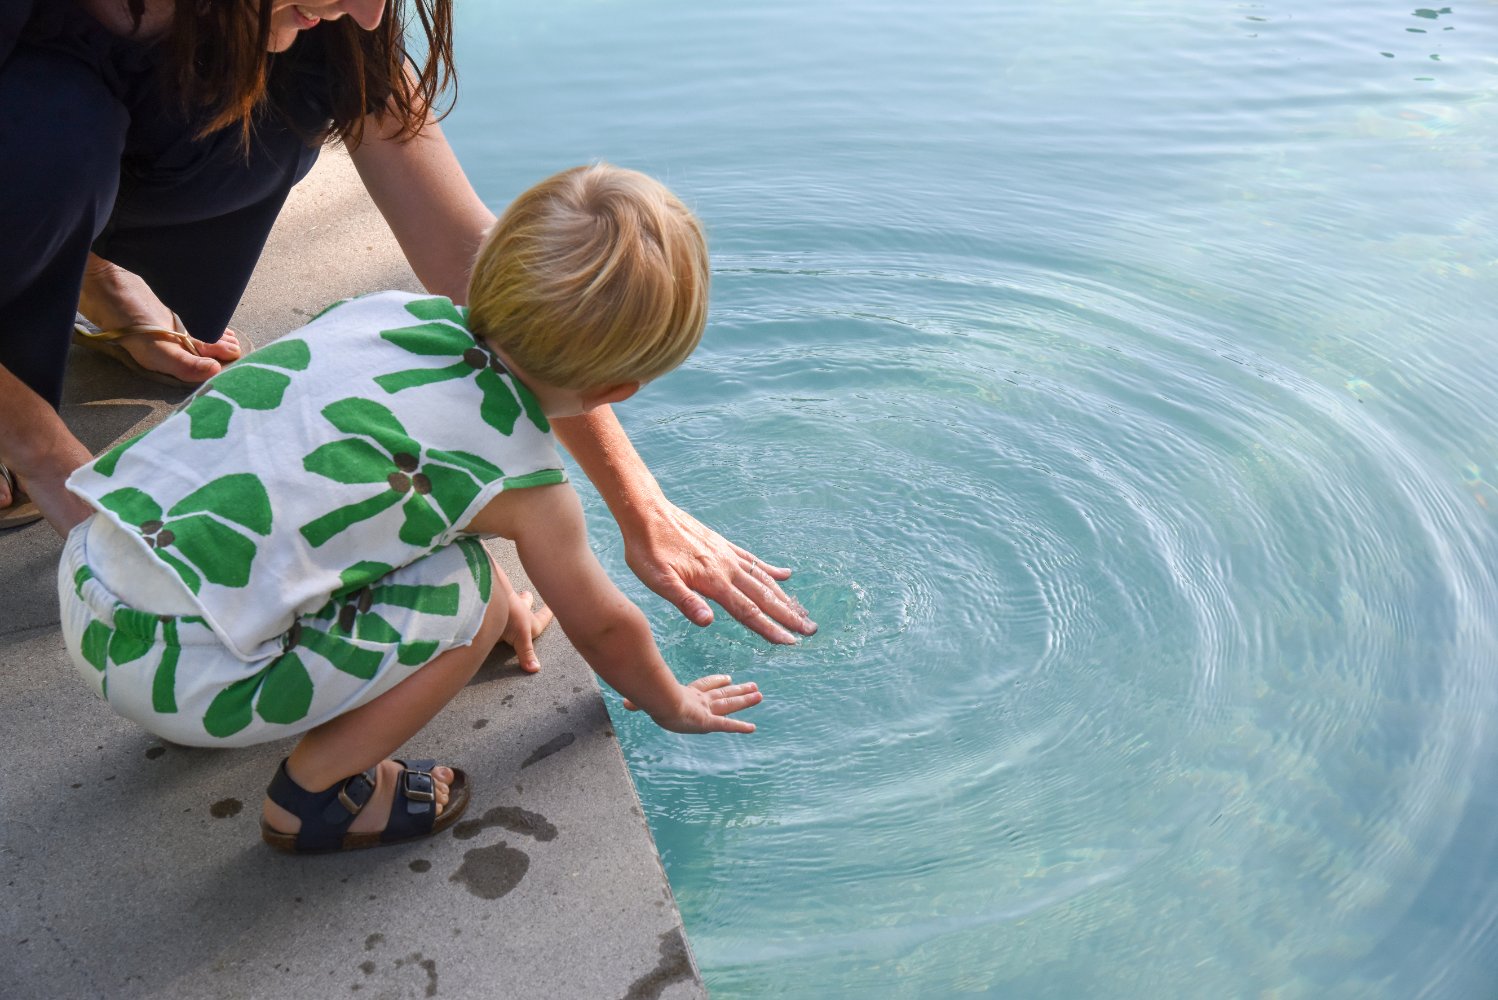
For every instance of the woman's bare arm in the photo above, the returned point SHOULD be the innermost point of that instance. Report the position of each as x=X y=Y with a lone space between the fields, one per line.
x=439 y=222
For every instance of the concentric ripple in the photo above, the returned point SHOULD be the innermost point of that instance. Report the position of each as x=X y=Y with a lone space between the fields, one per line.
x=1119 y=381
x=1129 y=636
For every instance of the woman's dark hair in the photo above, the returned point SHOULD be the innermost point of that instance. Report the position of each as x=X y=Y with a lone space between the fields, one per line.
x=223 y=73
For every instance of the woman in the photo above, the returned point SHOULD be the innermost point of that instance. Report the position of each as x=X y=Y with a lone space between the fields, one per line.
x=160 y=139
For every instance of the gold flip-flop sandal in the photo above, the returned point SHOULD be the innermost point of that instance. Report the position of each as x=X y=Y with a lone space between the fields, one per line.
x=22 y=509
x=108 y=342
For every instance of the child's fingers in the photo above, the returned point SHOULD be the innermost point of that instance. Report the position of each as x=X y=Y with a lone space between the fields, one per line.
x=734 y=690
x=725 y=725
x=727 y=705
x=524 y=626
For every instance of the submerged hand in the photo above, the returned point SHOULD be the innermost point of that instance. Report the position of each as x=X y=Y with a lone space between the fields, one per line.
x=680 y=558
x=705 y=705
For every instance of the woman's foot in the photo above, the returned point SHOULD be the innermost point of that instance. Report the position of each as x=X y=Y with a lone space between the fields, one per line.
x=376 y=812
x=16 y=508
x=524 y=628
x=114 y=298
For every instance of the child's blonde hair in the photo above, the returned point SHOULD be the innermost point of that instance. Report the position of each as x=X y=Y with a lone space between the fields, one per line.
x=595 y=276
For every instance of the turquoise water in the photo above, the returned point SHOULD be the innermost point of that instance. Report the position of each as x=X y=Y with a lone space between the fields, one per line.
x=1120 y=380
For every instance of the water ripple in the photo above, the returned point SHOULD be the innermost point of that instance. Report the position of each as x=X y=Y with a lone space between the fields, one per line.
x=1117 y=615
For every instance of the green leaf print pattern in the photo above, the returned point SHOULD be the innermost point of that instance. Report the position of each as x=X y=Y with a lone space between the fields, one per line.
x=445 y=334
x=433 y=488
x=134 y=636
x=252 y=384
x=280 y=694
x=354 y=616
x=350 y=638
x=200 y=536
x=105 y=464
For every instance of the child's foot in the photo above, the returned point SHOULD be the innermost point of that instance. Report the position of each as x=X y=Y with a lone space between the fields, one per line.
x=376 y=812
x=524 y=628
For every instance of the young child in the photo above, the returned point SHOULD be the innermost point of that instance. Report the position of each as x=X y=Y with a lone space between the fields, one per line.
x=295 y=551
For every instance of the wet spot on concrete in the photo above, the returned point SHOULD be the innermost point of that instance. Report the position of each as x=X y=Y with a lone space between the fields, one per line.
x=480 y=723
x=430 y=966
x=577 y=689
x=507 y=699
x=224 y=808
x=367 y=967
x=155 y=752
x=76 y=784
x=548 y=748
x=608 y=731
x=561 y=709
x=511 y=818
x=491 y=872
x=421 y=865
x=373 y=940
x=673 y=967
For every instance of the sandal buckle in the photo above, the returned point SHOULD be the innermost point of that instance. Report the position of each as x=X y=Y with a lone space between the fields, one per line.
x=364 y=788
x=424 y=791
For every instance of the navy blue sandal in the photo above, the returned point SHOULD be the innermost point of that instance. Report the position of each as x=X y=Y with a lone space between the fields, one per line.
x=327 y=815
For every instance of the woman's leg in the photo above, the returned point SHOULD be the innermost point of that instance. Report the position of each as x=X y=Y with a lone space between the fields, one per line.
x=63 y=134
x=189 y=244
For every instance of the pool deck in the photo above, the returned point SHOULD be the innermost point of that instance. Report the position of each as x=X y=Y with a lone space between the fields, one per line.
x=134 y=868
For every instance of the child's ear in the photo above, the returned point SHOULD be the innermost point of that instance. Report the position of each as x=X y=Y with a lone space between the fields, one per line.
x=616 y=393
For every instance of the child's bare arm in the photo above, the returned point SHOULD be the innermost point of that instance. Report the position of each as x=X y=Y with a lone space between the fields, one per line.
x=546 y=523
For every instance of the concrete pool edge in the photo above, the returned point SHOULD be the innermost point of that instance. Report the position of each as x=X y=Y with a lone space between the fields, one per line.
x=134 y=867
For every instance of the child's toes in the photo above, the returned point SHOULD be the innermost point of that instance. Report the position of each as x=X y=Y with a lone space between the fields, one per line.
x=442 y=777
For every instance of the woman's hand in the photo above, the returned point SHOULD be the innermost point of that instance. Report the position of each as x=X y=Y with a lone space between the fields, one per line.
x=672 y=552
x=683 y=561
x=706 y=704
x=41 y=452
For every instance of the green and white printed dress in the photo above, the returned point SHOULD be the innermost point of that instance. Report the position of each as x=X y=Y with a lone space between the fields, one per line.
x=288 y=545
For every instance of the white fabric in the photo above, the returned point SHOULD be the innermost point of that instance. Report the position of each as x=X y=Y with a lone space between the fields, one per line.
x=240 y=493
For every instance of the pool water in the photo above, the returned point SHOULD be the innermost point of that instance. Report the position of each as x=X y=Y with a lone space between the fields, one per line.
x=1120 y=380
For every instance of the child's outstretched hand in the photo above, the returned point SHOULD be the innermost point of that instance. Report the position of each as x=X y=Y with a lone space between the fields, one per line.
x=705 y=705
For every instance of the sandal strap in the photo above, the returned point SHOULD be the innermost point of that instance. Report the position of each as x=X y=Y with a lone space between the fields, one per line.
x=178 y=337
x=325 y=815
x=415 y=807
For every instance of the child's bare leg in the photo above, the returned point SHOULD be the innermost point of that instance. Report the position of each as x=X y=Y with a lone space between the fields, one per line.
x=366 y=736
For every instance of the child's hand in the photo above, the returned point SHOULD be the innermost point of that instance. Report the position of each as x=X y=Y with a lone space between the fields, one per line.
x=705 y=704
